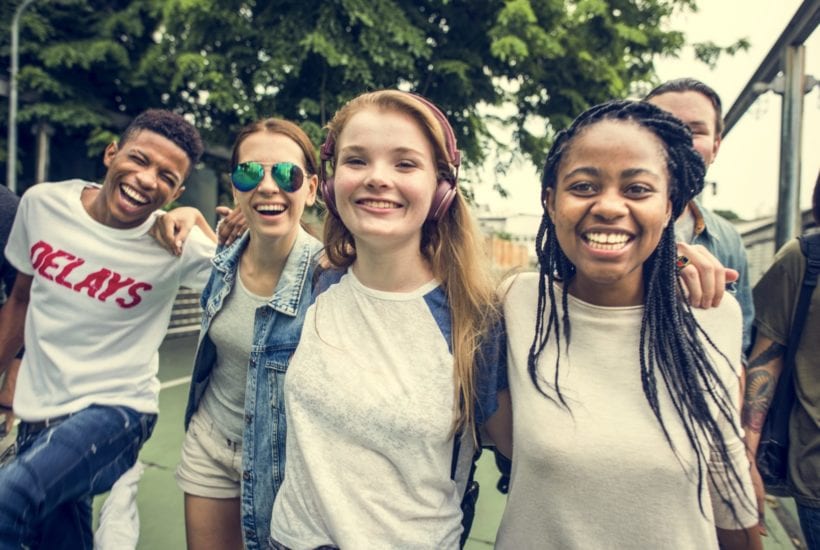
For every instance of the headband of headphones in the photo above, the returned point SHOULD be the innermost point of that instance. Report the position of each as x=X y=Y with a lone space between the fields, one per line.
x=446 y=186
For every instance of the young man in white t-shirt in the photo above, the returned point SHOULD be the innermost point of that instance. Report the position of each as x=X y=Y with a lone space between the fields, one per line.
x=93 y=296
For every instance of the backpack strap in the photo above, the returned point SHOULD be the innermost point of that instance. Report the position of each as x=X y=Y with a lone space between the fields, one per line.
x=810 y=247
x=456 y=451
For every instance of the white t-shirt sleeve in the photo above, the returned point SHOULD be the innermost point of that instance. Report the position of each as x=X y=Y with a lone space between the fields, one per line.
x=744 y=515
x=724 y=326
x=18 y=244
x=197 y=253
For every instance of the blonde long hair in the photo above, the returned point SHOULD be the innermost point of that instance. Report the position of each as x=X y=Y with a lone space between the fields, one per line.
x=452 y=245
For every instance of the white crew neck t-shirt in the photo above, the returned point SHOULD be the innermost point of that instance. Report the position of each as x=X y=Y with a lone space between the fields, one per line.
x=601 y=474
x=100 y=304
x=369 y=402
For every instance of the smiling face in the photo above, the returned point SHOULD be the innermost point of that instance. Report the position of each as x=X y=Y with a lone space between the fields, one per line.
x=144 y=174
x=269 y=211
x=609 y=206
x=385 y=177
x=696 y=111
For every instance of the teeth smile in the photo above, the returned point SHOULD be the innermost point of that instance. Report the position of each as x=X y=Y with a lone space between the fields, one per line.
x=379 y=204
x=273 y=208
x=133 y=194
x=606 y=241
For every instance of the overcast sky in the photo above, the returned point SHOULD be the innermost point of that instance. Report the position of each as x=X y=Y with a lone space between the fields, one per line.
x=747 y=166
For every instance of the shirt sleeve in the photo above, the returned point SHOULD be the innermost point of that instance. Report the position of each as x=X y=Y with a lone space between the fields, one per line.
x=196 y=260
x=733 y=500
x=491 y=370
x=776 y=293
x=744 y=295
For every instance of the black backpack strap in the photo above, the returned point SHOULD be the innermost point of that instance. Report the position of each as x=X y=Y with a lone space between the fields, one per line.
x=810 y=247
x=456 y=450
x=470 y=495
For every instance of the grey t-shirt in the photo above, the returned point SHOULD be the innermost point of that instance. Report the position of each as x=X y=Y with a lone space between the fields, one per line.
x=232 y=333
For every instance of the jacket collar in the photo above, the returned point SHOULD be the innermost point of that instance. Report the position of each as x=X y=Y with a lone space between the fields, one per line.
x=288 y=292
x=702 y=220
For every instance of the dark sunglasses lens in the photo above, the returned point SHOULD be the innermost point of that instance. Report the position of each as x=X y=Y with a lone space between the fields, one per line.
x=247 y=175
x=288 y=176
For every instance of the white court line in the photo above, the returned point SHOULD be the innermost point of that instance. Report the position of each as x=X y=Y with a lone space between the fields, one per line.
x=174 y=382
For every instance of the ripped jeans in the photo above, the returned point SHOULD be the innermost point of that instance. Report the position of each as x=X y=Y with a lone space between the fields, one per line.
x=46 y=491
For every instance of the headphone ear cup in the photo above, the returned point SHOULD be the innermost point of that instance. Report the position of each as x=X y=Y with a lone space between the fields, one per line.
x=326 y=183
x=443 y=197
x=329 y=195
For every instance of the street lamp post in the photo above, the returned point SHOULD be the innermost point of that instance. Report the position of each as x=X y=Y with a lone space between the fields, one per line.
x=11 y=162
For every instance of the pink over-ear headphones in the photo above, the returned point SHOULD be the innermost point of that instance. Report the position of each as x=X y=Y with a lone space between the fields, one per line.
x=446 y=188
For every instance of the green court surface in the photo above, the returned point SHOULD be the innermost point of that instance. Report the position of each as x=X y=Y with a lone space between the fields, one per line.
x=160 y=500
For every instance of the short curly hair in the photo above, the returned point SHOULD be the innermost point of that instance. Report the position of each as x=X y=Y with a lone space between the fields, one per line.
x=171 y=126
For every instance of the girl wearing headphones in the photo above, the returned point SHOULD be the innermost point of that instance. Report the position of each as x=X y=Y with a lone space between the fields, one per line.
x=625 y=399
x=401 y=357
x=254 y=307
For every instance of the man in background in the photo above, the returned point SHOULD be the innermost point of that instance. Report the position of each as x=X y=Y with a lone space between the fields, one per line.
x=775 y=298
x=699 y=107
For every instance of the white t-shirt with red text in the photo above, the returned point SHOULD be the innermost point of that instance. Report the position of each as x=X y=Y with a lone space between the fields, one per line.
x=100 y=304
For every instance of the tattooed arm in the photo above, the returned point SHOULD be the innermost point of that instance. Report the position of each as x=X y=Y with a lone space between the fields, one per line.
x=764 y=369
x=765 y=366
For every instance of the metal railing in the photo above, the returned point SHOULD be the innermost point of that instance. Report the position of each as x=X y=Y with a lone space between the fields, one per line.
x=787 y=56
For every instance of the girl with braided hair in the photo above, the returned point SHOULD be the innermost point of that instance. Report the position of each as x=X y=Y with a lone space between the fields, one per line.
x=624 y=397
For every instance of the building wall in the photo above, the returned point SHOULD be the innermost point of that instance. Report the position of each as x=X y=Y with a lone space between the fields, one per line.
x=759 y=242
x=506 y=255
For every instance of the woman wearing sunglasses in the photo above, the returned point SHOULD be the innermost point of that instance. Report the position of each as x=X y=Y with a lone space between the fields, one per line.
x=254 y=304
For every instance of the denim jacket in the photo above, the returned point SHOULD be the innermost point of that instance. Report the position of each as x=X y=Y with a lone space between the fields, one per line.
x=277 y=327
x=721 y=238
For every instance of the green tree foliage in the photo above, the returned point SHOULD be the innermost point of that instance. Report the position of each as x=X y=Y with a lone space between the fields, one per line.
x=228 y=62
x=77 y=64
x=238 y=60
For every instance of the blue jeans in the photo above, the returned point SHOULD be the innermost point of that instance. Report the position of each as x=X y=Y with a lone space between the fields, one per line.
x=46 y=491
x=810 y=524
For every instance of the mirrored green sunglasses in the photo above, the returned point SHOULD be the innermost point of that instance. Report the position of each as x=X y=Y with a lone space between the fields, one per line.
x=246 y=176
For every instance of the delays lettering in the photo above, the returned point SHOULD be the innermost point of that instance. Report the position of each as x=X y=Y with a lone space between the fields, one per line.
x=103 y=284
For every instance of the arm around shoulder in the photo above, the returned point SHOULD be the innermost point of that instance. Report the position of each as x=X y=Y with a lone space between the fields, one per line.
x=171 y=230
x=196 y=260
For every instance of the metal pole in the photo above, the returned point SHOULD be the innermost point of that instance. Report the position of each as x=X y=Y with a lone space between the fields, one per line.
x=787 y=224
x=43 y=132
x=11 y=161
